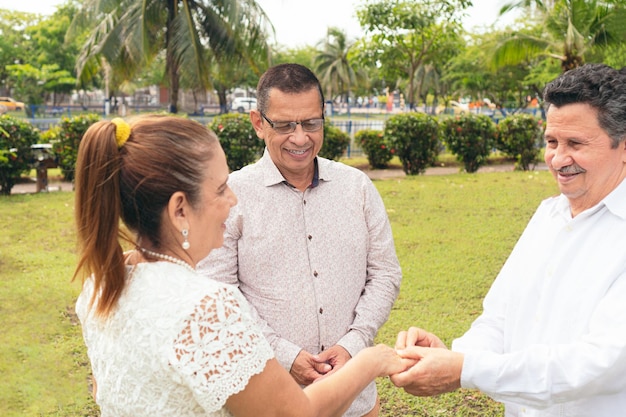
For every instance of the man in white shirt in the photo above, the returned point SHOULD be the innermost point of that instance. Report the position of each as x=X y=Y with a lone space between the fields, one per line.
x=551 y=340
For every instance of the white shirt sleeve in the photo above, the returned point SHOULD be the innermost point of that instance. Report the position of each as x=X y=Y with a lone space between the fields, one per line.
x=553 y=329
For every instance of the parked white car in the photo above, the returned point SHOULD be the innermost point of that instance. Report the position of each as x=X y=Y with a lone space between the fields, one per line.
x=243 y=104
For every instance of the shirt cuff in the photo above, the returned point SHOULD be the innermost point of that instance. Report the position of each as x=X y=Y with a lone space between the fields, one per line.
x=286 y=353
x=353 y=343
x=481 y=369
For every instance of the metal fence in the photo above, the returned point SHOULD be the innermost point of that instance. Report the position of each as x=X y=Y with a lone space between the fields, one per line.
x=348 y=125
x=352 y=126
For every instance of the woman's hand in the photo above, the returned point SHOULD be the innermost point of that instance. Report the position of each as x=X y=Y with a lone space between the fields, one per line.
x=388 y=360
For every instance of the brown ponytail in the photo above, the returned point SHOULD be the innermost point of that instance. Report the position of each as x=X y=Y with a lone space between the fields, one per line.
x=98 y=208
x=134 y=183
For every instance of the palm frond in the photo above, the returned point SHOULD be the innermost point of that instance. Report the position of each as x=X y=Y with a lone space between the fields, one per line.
x=517 y=48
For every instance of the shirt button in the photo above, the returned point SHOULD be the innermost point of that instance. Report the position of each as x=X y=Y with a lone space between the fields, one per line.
x=310 y=237
x=315 y=274
x=321 y=310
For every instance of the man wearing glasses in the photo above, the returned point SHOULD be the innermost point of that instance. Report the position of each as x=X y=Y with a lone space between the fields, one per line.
x=309 y=244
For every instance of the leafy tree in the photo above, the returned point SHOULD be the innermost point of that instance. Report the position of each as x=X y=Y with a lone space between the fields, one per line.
x=332 y=63
x=33 y=83
x=128 y=34
x=14 y=44
x=47 y=46
x=229 y=72
x=565 y=30
x=304 y=55
x=405 y=35
x=614 y=55
x=470 y=75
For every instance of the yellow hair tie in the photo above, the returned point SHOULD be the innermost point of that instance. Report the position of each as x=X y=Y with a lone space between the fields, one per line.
x=122 y=131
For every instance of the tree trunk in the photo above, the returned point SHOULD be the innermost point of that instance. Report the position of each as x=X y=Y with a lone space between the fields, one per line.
x=412 y=86
x=221 y=95
x=171 y=62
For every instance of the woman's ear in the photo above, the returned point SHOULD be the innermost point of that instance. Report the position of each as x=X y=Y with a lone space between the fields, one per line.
x=178 y=210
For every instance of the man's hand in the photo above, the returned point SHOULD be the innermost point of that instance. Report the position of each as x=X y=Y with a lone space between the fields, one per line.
x=307 y=368
x=436 y=371
x=418 y=337
x=335 y=356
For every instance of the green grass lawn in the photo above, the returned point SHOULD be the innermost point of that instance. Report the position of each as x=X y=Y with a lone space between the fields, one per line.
x=43 y=362
x=452 y=233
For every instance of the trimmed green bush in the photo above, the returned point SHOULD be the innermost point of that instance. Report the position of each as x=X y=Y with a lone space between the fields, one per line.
x=51 y=135
x=70 y=134
x=238 y=139
x=415 y=139
x=16 y=138
x=520 y=136
x=470 y=137
x=375 y=146
x=336 y=142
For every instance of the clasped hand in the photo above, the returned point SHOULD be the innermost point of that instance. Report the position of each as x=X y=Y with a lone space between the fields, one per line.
x=436 y=369
x=430 y=368
x=307 y=368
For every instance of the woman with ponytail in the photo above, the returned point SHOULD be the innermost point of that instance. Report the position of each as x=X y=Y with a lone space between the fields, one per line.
x=161 y=339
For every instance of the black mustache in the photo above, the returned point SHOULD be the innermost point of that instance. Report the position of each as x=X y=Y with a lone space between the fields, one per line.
x=572 y=169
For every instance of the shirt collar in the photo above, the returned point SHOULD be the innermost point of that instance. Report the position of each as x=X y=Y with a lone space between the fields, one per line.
x=614 y=202
x=273 y=176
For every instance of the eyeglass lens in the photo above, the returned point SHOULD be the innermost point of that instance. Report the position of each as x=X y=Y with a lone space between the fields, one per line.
x=307 y=125
x=310 y=125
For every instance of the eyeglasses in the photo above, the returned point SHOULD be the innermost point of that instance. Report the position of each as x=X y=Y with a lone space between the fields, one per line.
x=311 y=125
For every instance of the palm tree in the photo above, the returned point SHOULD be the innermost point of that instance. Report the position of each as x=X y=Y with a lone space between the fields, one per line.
x=568 y=31
x=332 y=63
x=128 y=34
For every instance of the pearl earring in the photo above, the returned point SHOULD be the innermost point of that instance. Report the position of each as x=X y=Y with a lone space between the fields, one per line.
x=186 y=244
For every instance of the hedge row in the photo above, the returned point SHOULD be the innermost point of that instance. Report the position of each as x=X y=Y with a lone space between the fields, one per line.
x=417 y=139
x=237 y=137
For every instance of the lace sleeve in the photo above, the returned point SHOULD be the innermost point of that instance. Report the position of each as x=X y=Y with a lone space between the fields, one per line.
x=219 y=348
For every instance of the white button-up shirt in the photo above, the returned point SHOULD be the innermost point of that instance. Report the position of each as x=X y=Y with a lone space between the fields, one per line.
x=319 y=266
x=551 y=340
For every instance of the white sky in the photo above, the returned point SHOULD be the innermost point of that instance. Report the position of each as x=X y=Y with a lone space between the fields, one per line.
x=300 y=23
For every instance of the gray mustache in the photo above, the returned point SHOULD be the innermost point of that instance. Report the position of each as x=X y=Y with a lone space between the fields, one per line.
x=572 y=169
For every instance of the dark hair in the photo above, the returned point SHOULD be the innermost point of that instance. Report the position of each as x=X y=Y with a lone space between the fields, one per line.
x=598 y=85
x=162 y=155
x=288 y=78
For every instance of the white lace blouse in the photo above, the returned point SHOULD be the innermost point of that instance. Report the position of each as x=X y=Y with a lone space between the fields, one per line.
x=176 y=345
